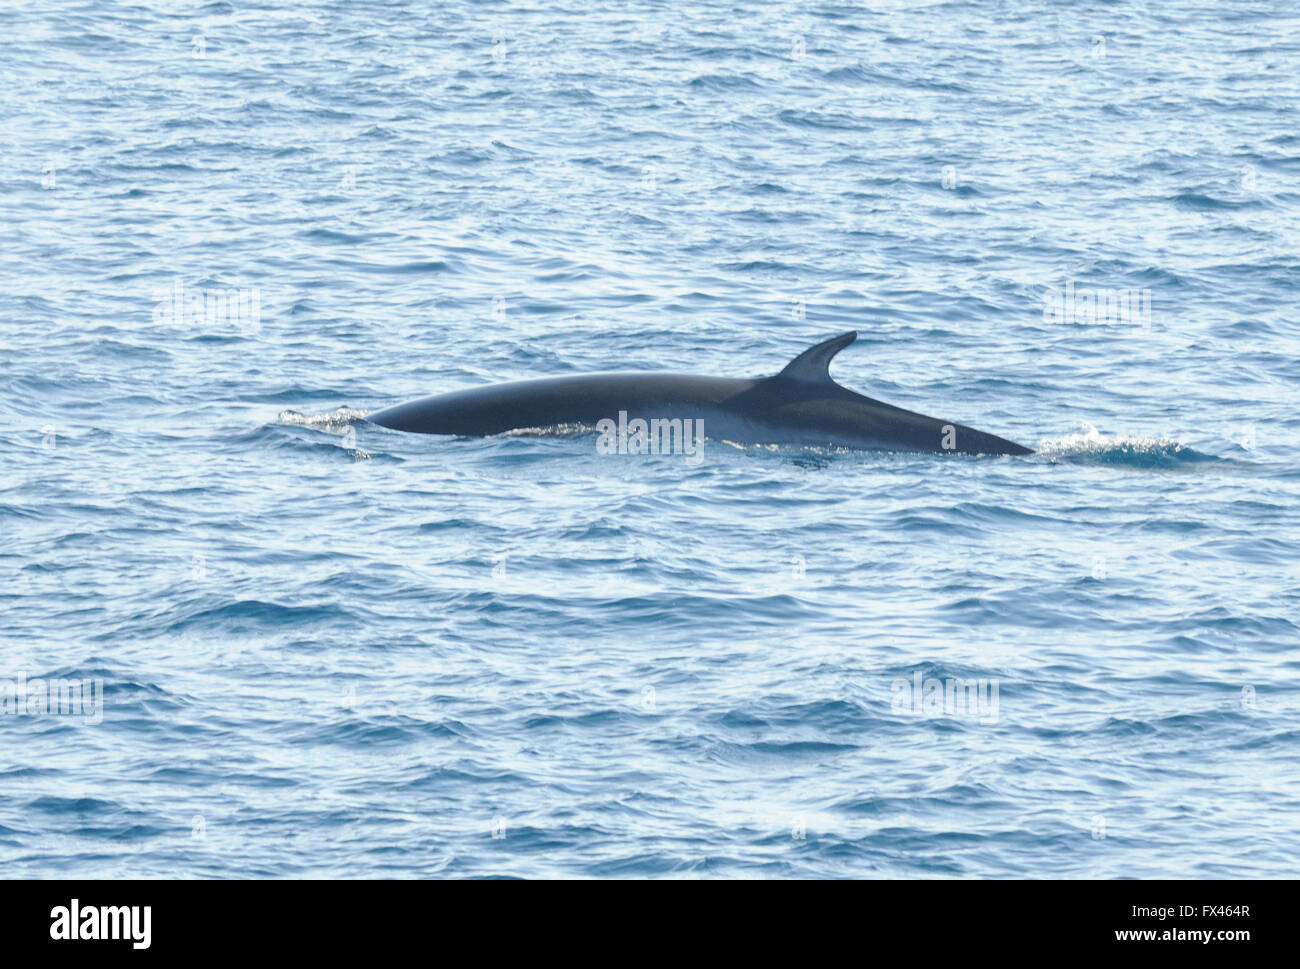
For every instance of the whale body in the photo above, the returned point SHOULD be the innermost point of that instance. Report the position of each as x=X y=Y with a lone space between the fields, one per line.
x=800 y=405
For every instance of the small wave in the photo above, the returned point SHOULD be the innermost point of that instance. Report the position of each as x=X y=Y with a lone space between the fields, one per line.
x=258 y=614
x=1197 y=201
x=726 y=82
x=1092 y=447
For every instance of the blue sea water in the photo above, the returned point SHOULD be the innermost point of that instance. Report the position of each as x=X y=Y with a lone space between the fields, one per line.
x=327 y=649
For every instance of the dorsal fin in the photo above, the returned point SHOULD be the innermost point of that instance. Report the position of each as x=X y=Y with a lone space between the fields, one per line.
x=813 y=365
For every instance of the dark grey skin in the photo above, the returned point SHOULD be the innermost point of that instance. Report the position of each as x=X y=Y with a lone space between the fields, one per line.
x=800 y=405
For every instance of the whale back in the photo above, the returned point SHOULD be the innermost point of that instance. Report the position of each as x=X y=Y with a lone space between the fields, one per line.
x=800 y=404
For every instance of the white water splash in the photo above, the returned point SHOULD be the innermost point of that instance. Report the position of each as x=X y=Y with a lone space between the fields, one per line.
x=338 y=422
x=332 y=422
x=1090 y=442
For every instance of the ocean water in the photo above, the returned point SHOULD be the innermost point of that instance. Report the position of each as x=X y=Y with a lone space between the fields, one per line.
x=312 y=647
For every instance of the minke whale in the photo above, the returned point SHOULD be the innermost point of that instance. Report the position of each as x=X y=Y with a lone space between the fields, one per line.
x=801 y=405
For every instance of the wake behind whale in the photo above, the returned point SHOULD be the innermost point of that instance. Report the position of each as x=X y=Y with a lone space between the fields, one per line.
x=800 y=405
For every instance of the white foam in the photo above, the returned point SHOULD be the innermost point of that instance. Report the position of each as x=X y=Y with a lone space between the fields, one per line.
x=334 y=422
x=1092 y=441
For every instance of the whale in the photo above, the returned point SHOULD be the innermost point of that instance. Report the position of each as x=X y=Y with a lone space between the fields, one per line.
x=800 y=405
